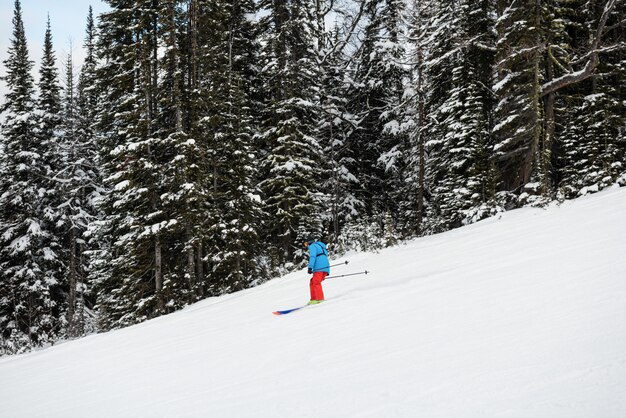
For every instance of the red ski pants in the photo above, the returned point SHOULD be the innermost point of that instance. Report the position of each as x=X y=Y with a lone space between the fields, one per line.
x=316 y=285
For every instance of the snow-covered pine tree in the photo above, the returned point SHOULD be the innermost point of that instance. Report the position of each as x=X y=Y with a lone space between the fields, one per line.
x=193 y=164
x=220 y=52
x=66 y=138
x=590 y=142
x=336 y=126
x=460 y=176
x=91 y=243
x=335 y=122
x=31 y=274
x=79 y=183
x=180 y=184
x=556 y=55
x=613 y=75
x=182 y=215
x=293 y=161
x=109 y=85
x=51 y=112
x=234 y=244
x=49 y=100
x=518 y=124
x=131 y=274
x=376 y=100
x=413 y=202
x=87 y=99
x=478 y=24
x=443 y=41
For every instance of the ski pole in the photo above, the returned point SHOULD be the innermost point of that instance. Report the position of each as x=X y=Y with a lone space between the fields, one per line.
x=345 y=275
x=340 y=264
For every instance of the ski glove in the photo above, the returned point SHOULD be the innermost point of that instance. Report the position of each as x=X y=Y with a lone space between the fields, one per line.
x=310 y=270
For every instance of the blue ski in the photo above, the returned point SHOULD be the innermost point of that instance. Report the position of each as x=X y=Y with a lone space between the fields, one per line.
x=286 y=311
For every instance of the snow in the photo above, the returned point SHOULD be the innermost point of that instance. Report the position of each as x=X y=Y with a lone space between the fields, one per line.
x=20 y=244
x=122 y=185
x=578 y=74
x=498 y=86
x=34 y=229
x=594 y=97
x=520 y=315
x=254 y=197
x=49 y=255
x=501 y=125
x=590 y=189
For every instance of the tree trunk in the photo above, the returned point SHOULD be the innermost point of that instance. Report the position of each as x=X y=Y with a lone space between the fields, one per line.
x=421 y=121
x=532 y=159
x=548 y=133
x=72 y=280
x=191 y=260
x=200 y=269
x=158 y=271
x=192 y=12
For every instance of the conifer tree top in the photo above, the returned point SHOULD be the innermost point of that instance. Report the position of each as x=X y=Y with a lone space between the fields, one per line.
x=18 y=66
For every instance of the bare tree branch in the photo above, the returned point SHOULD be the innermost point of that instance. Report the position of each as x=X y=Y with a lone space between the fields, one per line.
x=594 y=59
x=556 y=61
x=328 y=9
x=339 y=46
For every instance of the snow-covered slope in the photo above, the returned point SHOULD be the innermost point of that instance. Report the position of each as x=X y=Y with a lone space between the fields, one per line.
x=520 y=316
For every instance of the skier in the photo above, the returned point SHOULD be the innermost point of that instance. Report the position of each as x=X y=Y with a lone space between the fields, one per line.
x=319 y=266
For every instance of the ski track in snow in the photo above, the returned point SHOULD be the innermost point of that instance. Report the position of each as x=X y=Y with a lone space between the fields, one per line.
x=521 y=315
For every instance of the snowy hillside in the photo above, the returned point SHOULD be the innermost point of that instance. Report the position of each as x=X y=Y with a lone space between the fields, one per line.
x=521 y=316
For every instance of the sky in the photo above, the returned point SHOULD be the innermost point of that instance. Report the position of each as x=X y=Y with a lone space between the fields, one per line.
x=68 y=21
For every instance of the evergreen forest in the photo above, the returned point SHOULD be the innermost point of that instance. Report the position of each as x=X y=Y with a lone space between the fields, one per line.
x=201 y=142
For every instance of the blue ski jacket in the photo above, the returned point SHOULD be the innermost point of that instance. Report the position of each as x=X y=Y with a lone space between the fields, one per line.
x=318 y=257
